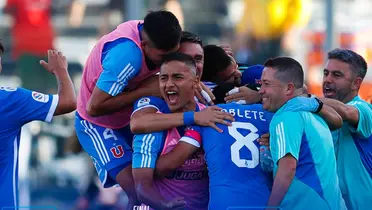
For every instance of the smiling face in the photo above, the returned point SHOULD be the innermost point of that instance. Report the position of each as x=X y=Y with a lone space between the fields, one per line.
x=274 y=93
x=339 y=81
x=177 y=85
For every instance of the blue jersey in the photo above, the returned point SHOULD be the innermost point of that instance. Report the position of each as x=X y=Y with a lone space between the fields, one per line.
x=148 y=147
x=236 y=178
x=307 y=138
x=353 y=147
x=18 y=107
x=121 y=62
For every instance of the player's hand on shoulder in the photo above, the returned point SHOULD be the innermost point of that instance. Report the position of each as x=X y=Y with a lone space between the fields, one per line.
x=212 y=115
x=57 y=62
x=264 y=140
x=204 y=94
x=151 y=86
x=176 y=203
x=243 y=95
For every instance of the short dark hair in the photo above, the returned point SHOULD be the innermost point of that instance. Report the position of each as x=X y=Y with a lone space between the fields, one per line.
x=191 y=37
x=288 y=70
x=220 y=92
x=163 y=29
x=181 y=57
x=357 y=63
x=216 y=60
x=1 y=47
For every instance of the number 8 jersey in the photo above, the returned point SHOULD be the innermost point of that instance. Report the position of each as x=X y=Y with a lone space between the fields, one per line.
x=236 y=178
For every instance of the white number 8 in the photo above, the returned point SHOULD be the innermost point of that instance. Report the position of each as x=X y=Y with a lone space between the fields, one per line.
x=241 y=141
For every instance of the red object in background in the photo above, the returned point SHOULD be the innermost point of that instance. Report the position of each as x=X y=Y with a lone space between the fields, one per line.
x=32 y=29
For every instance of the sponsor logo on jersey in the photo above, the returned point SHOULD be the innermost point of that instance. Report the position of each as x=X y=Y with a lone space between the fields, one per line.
x=40 y=97
x=143 y=102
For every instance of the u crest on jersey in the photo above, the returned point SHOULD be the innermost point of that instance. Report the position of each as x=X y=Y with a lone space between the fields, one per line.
x=117 y=151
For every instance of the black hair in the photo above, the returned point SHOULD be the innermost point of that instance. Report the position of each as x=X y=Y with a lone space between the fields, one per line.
x=163 y=29
x=181 y=57
x=357 y=63
x=288 y=70
x=216 y=60
x=220 y=92
x=191 y=37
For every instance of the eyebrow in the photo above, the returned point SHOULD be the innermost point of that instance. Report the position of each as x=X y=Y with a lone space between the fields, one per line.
x=334 y=71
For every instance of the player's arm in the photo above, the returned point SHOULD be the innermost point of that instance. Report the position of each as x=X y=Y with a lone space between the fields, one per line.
x=313 y=104
x=285 y=149
x=187 y=146
x=147 y=120
x=332 y=118
x=146 y=148
x=38 y=106
x=347 y=112
x=357 y=114
x=121 y=64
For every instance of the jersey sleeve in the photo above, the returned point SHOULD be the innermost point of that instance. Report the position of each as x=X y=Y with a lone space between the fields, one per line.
x=146 y=149
x=193 y=136
x=286 y=134
x=147 y=102
x=121 y=64
x=364 y=127
x=33 y=105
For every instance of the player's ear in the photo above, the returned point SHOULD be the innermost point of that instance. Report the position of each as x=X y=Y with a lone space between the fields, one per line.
x=290 y=88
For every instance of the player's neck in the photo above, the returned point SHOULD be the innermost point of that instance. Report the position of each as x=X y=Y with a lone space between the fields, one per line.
x=191 y=106
x=350 y=97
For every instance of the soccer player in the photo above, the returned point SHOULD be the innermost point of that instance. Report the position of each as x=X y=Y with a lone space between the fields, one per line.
x=120 y=70
x=20 y=106
x=219 y=67
x=343 y=75
x=189 y=184
x=305 y=175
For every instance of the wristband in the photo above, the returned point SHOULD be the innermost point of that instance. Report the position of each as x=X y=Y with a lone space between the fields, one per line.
x=188 y=118
x=320 y=105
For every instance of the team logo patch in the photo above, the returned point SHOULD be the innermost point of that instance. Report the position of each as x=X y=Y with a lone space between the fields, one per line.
x=40 y=97
x=117 y=151
x=8 y=89
x=143 y=102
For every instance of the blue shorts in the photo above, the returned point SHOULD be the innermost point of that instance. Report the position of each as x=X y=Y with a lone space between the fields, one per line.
x=110 y=149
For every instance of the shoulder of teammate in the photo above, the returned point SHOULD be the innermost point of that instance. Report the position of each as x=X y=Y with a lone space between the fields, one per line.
x=363 y=127
x=30 y=105
x=286 y=131
x=149 y=102
x=122 y=62
x=146 y=149
x=193 y=135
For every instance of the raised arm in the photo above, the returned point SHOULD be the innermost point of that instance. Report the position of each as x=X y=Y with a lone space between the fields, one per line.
x=57 y=65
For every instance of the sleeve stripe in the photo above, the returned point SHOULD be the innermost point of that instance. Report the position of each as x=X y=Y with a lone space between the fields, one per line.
x=146 y=150
x=52 y=108
x=190 y=141
x=121 y=81
x=147 y=106
x=122 y=78
x=280 y=140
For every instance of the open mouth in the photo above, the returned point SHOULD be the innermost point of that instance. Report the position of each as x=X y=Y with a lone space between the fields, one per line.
x=172 y=97
x=328 y=92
